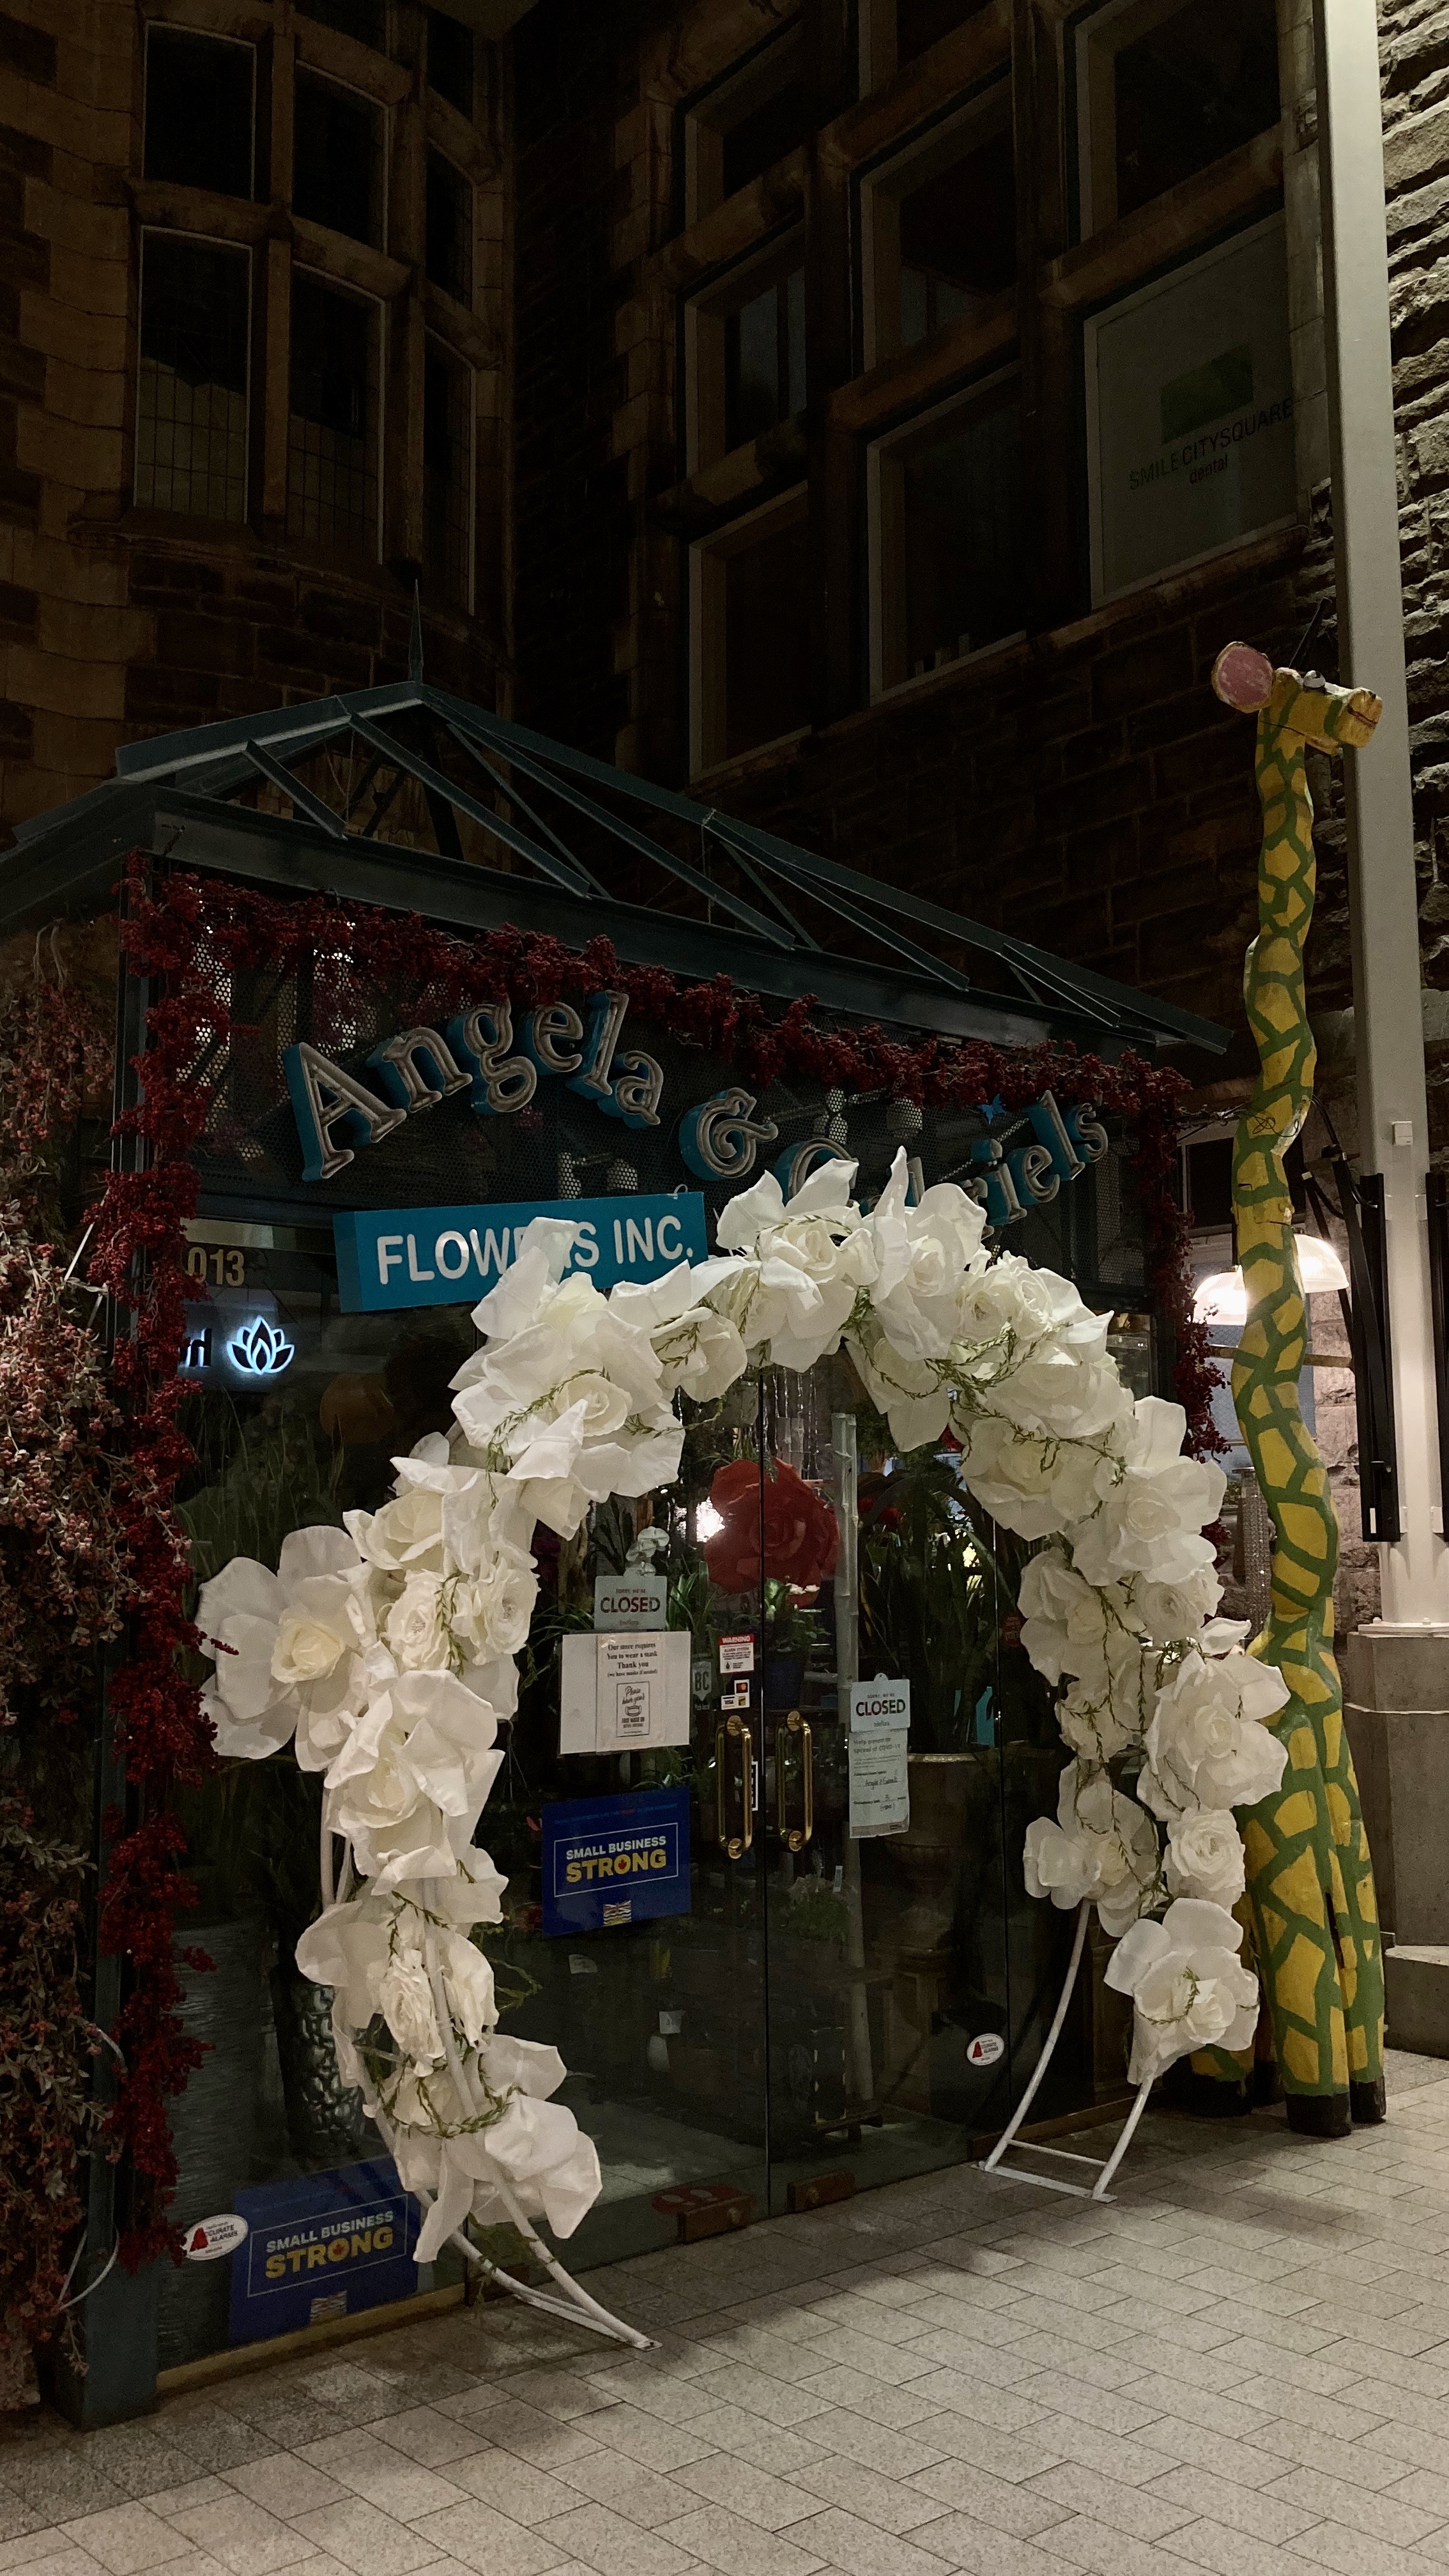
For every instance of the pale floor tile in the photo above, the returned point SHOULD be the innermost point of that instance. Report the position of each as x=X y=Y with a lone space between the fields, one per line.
x=995 y=2501
x=780 y=2401
x=244 y=2536
x=372 y=2544
x=765 y=2446
x=640 y=2495
x=429 y=2437
x=128 y=2538
x=513 y=2487
x=173 y=2500
x=873 y=2446
x=755 y=2494
x=1106 y=2549
x=1381 y=2517
x=1128 y=2509
x=1210 y=2498
x=64 y=2559
x=543 y=2440
x=713 y=2536
x=1330 y=2545
x=837 y=2386
x=1233 y=2553
x=371 y=2469
x=283 y=2484
x=605 y=2541
x=951 y=2392
x=844 y=2540
x=865 y=2493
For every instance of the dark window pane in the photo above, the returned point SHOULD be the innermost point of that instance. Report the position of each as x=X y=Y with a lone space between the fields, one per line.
x=765 y=359
x=1194 y=88
x=447 y=473
x=958 y=238
x=766 y=640
x=450 y=228
x=363 y=19
x=921 y=23
x=334 y=160
x=191 y=424
x=332 y=446
x=450 y=61
x=199 y=112
x=764 y=136
x=962 y=532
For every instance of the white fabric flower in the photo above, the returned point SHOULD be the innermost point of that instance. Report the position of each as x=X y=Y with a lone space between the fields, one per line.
x=1207 y=1744
x=1154 y=1504
x=1101 y=1846
x=1188 y=1985
x=698 y=1349
x=921 y=1257
x=405 y=2000
x=492 y=1609
x=288 y=1645
x=808 y=1258
x=416 y=1627
x=1032 y=1484
x=1205 y=1856
x=1167 y=1611
x=406 y=1536
x=409 y=1784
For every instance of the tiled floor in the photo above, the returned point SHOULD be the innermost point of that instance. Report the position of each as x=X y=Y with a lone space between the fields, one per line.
x=1241 y=2366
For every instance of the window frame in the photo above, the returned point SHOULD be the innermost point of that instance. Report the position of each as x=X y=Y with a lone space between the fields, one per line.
x=240 y=44
x=234 y=250
x=879 y=193
x=886 y=457
x=705 y=316
x=707 y=662
x=1092 y=108
x=712 y=114
x=376 y=305
x=1091 y=324
x=453 y=358
x=379 y=111
x=434 y=152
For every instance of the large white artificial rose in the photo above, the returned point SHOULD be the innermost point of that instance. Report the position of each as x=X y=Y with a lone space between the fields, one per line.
x=1154 y=1504
x=1030 y=1483
x=416 y=1627
x=567 y=1401
x=803 y=1263
x=552 y=2168
x=406 y=1536
x=1188 y=1985
x=921 y=1256
x=1207 y=1743
x=1101 y=1846
x=491 y=1608
x=698 y=1349
x=1205 y=1856
x=1167 y=1612
x=408 y=1786
x=286 y=1646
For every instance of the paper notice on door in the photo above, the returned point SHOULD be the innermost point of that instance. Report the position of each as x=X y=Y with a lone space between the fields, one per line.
x=880 y=1735
x=621 y=1693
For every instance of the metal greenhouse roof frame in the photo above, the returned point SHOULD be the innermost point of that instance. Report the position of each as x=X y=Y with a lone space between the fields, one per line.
x=571 y=846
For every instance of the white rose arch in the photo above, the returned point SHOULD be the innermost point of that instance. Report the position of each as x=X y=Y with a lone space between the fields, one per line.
x=386 y=1652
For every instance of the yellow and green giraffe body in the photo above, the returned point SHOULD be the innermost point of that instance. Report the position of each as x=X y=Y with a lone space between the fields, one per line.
x=1310 y=1879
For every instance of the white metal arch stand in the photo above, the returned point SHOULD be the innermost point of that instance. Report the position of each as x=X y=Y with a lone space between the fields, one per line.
x=1104 y=2166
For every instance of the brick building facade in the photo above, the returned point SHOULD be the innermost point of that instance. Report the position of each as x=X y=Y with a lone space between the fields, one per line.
x=736 y=380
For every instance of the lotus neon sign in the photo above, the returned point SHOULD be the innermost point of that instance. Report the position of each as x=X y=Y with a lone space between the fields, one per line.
x=719 y=1139
x=259 y=1350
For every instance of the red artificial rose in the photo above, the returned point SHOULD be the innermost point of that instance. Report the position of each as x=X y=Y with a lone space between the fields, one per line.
x=779 y=1515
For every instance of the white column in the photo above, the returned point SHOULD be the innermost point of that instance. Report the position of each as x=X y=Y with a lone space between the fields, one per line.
x=1388 y=1028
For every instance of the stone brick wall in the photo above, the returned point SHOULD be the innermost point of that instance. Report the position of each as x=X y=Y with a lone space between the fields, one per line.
x=117 y=622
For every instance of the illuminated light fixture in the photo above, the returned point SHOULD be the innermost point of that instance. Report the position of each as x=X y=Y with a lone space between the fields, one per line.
x=1319 y=1267
x=707 y=1522
x=260 y=1350
x=1221 y=1299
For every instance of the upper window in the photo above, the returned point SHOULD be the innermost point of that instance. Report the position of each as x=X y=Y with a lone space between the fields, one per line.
x=332 y=445
x=938 y=228
x=449 y=252
x=1189 y=389
x=945 y=535
x=745 y=343
x=336 y=159
x=751 y=629
x=450 y=60
x=448 y=472
x=365 y=20
x=896 y=32
x=745 y=124
x=191 y=411
x=1164 y=89
x=199 y=107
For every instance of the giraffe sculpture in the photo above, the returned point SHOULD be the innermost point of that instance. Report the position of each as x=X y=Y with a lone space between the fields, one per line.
x=1310 y=1880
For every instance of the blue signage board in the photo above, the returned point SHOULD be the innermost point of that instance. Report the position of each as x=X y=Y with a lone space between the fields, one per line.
x=325 y=2245
x=612 y=1861
x=449 y=1256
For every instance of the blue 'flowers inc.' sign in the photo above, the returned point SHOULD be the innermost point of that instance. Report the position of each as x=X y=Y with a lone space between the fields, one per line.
x=448 y=1256
x=612 y=1861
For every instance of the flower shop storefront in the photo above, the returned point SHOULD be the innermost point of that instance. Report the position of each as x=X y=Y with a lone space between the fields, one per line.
x=394 y=983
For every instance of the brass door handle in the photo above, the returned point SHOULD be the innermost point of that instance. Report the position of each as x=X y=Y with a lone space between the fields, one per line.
x=735 y=1845
x=795 y=1837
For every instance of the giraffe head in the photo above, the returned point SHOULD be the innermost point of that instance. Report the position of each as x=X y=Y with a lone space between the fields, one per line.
x=1330 y=718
